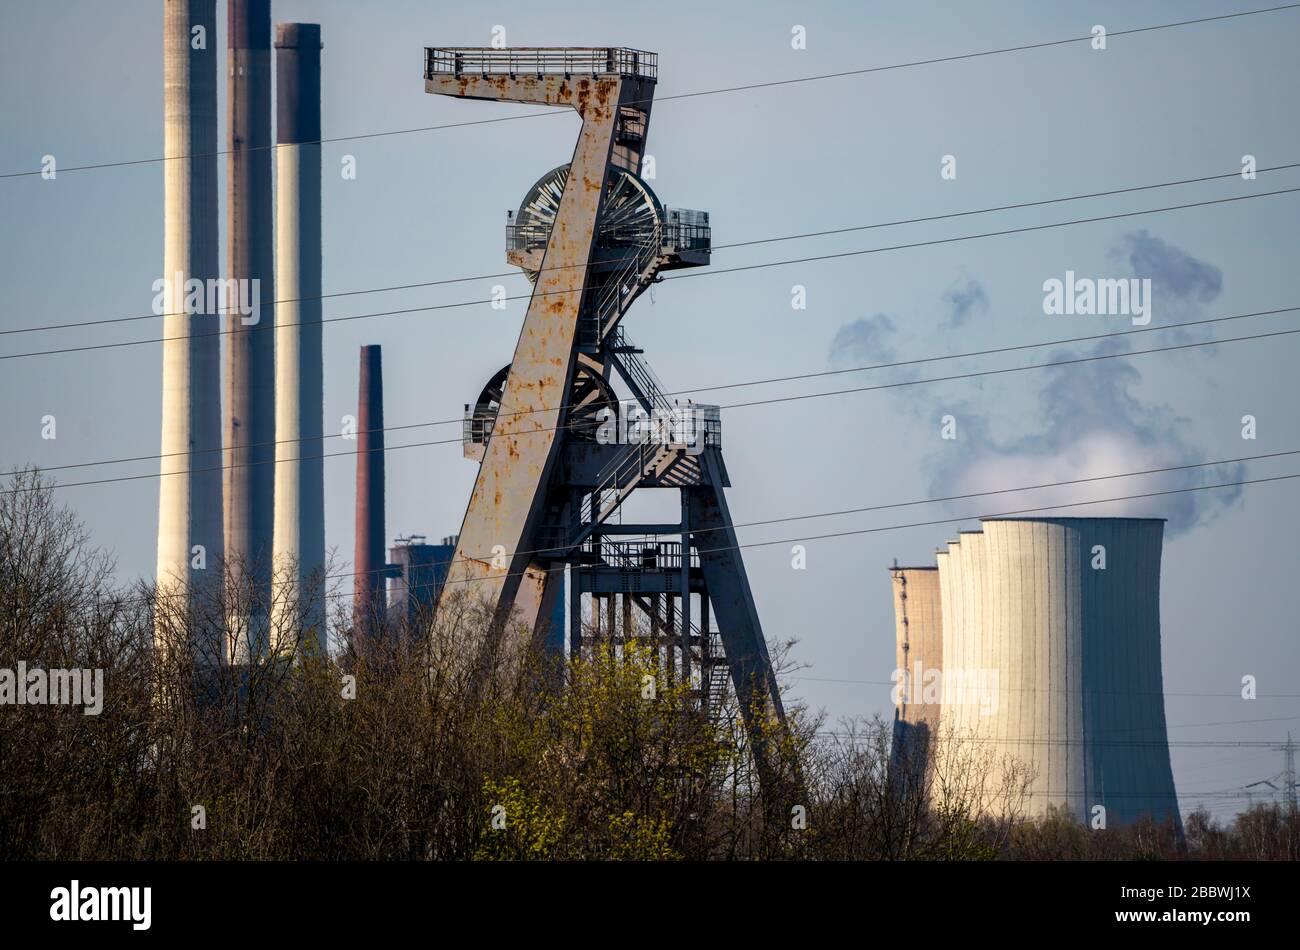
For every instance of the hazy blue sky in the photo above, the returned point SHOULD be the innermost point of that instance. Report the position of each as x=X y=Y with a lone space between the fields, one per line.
x=83 y=81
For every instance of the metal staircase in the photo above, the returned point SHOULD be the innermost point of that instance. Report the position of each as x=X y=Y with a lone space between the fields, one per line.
x=619 y=479
x=620 y=289
x=636 y=372
x=710 y=660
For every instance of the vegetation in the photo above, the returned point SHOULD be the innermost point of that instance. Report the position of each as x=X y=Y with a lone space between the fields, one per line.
x=404 y=750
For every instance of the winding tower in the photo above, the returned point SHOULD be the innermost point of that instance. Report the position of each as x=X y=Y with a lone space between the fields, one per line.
x=592 y=236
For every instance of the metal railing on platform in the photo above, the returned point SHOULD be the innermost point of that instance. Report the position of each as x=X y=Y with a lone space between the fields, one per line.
x=477 y=426
x=539 y=61
x=674 y=235
x=640 y=555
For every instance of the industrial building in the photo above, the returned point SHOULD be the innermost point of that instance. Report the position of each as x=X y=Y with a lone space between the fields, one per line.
x=1047 y=634
x=416 y=573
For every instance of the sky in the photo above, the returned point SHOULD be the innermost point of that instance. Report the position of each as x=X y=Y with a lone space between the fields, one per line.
x=82 y=81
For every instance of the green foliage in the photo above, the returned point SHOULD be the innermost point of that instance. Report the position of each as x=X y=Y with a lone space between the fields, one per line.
x=520 y=826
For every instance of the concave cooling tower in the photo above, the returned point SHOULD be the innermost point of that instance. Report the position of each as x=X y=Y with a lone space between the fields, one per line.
x=1060 y=661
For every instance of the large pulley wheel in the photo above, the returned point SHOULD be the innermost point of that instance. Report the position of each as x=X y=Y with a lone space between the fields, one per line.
x=589 y=394
x=632 y=215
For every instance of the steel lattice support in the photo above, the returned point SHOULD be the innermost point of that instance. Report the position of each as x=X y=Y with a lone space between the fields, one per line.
x=592 y=236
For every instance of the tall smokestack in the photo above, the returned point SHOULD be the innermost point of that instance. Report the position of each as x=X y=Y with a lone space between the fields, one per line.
x=189 y=493
x=250 y=352
x=299 y=541
x=369 y=561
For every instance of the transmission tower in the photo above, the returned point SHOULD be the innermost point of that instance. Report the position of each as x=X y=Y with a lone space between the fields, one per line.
x=1285 y=781
x=591 y=236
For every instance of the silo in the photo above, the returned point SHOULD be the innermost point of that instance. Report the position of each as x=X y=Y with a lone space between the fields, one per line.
x=299 y=538
x=189 y=491
x=1066 y=613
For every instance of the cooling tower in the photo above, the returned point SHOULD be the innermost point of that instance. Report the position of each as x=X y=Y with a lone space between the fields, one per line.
x=299 y=539
x=918 y=625
x=250 y=349
x=1053 y=660
x=189 y=493
x=368 y=585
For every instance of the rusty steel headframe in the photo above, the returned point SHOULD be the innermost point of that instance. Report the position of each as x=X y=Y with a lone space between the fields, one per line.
x=544 y=493
x=492 y=560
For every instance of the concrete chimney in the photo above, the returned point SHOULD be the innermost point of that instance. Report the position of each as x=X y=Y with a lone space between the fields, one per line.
x=189 y=493
x=250 y=350
x=369 y=561
x=299 y=540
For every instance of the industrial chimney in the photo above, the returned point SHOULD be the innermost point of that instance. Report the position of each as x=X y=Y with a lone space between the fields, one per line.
x=250 y=355
x=189 y=494
x=368 y=587
x=299 y=540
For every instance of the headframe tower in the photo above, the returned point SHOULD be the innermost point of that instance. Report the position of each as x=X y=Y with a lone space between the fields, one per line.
x=592 y=235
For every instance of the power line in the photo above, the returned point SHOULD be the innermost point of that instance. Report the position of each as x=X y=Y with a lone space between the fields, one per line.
x=918 y=524
x=704 y=273
x=714 y=247
x=883 y=528
x=1233 y=722
x=1013 y=369
x=1134 y=743
x=736 y=385
x=986 y=234
x=1004 y=514
x=1034 y=689
x=969 y=495
x=758 y=402
x=905 y=504
x=693 y=95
